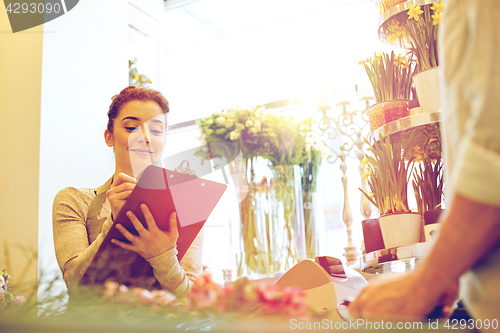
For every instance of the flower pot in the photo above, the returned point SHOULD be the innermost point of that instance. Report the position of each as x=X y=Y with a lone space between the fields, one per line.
x=385 y=5
x=372 y=235
x=385 y=112
x=400 y=229
x=431 y=231
x=428 y=92
x=432 y=216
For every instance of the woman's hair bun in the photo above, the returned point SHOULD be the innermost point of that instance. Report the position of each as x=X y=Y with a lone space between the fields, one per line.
x=133 y=93
x=127 y=89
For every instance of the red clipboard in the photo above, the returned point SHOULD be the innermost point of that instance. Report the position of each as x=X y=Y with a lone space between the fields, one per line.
x=163 y=191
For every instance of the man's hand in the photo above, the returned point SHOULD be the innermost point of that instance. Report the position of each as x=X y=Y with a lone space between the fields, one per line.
x=400 y=297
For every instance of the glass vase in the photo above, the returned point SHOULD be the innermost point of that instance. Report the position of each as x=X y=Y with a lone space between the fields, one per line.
x=271 y=226
x=310 y=224
x=286 y=216
x=254 y=249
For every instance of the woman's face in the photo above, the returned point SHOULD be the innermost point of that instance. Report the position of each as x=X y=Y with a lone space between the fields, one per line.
x=138 y=137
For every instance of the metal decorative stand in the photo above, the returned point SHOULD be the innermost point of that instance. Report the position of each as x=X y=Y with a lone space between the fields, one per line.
x=349 y=125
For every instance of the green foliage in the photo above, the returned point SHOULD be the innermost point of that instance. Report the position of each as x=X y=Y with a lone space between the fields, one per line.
x=258 y=133
x=310 y=168
x=428 y=184
x=134 y=77
x=387 y=175
x=390 y=76
x=417 y=28
x=423 y=36
x=428 y=175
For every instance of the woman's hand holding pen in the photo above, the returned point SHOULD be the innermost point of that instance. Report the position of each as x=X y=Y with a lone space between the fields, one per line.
x=119 y=191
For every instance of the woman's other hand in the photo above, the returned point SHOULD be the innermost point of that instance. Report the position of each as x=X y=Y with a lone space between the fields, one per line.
x=150 y=242
x=119 y=192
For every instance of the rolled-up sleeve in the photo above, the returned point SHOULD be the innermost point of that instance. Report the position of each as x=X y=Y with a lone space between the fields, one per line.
x=472 y=101
x=178 y=278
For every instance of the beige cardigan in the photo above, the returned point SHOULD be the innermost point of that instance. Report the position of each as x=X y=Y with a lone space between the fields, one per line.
x=77 y=239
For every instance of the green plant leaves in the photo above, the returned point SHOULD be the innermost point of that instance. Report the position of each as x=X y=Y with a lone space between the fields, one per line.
x=390 y=75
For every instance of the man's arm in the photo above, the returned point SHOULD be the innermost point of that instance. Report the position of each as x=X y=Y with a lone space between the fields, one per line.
x=469 y=231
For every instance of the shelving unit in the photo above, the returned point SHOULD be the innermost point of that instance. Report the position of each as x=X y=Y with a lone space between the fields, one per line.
x=406 y=123
x=419 y=128
x=398 y=259
x=393 y=11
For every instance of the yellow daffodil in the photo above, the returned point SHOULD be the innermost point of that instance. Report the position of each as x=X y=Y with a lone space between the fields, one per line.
x=437 y=7
x=392 y=38
x=404 y=63
x=137 y=76
x=414 y=12
x=401 y=31
x=418 y=154
x=393 y=31
x=436 y=18
x=393 y=25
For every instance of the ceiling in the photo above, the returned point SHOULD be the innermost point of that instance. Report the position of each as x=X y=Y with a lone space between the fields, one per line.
x=194 y=22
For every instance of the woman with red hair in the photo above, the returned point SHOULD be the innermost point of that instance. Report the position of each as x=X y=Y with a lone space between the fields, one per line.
x=137 y=124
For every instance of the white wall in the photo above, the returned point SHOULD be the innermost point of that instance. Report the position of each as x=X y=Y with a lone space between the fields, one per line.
x=84 y=64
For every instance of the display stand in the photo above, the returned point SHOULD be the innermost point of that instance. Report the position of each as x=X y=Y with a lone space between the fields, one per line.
x=396 y=10
x=397 y=259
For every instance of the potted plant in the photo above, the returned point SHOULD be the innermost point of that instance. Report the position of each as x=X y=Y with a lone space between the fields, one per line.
x=387 y=174
x=391 y=79
x=417 y=30
x=428 y=184
x=428 y=180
